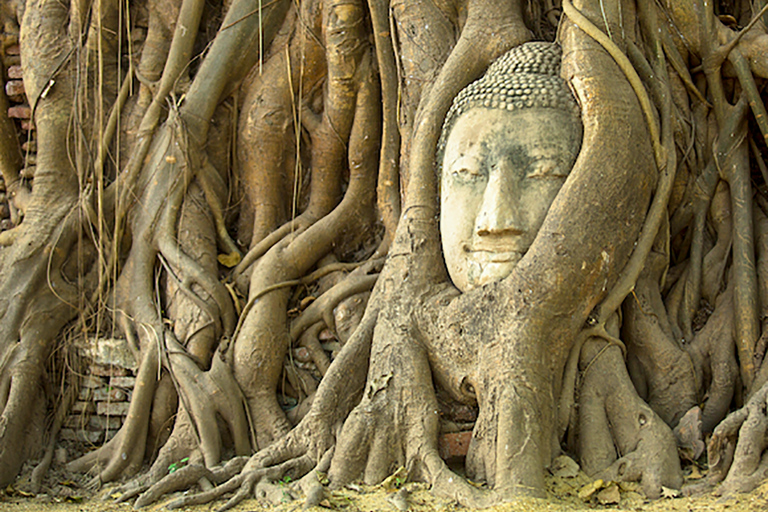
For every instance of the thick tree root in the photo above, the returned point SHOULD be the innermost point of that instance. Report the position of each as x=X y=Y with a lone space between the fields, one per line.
x=620 y=437
x=185 y=478
x=737 y=449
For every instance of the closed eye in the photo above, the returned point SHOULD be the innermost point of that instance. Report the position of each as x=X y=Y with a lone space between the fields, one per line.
x=466 y=174
x=544 y=169
x=466 y=169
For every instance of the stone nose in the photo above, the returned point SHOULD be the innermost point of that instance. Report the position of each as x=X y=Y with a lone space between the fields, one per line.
x=499 y=212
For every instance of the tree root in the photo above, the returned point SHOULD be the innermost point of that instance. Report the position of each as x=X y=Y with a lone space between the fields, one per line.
x=737 y=449
x=713 y=352
x=298 y=451
x=620 y=437
x=662 y=369
x=185 y=478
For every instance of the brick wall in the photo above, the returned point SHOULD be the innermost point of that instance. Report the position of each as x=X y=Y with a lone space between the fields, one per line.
x=105 y=392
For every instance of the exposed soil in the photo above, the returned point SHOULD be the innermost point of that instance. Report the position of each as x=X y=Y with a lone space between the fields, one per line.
x=565 y=493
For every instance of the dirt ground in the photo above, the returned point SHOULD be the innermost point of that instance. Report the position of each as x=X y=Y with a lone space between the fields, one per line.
x=567 y=491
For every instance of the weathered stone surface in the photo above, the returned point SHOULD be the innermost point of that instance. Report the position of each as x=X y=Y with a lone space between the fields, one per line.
x=564 y=467
x=109 y=394
x=76 y=421
x=609 y=495
x=102 y=394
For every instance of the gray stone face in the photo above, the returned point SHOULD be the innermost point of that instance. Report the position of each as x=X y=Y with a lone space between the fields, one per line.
x=501 y=171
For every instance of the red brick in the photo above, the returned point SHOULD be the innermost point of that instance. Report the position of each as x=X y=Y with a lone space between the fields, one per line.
x=92 y=381
x=26 y=125
x=14 y=88
x=14 y=49
x=109 y=395
x=108 y=371
x=103 y=394
x=122 y=382
x=105 y=422
x=76 y=421
x=454 y=444
x=82 y=436
x=14 y=72
x=112 y=408
x=20 y=112
x=83 y=407
x=301 y=354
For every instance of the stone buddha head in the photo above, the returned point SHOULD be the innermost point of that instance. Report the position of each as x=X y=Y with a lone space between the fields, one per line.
x=508 y=143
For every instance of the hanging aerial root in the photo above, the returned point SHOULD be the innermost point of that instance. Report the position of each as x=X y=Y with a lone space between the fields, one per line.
x=634 y=80
x=388 y=188
x=746 y=320
x=214 y=188
x=62 y=409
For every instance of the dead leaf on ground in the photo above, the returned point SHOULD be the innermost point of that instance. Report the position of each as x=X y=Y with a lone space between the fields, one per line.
x=586 y=492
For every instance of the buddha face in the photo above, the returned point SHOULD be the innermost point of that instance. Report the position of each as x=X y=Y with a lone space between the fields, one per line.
x=501 y=171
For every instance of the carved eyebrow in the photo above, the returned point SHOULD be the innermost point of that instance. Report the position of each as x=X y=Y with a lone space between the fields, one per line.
x=548 y=150
x=465 y=161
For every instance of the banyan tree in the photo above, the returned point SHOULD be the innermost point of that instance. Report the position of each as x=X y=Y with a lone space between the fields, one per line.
x=541 y=221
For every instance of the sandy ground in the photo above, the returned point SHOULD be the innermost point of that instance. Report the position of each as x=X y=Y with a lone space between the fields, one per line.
x=567 y=493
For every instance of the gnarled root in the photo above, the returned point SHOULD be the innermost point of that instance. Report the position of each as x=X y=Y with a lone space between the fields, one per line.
x=659 y=367
x=301 y=449
x=620 y=437
x=713 y=352
x=737 y=449
x=397 y=423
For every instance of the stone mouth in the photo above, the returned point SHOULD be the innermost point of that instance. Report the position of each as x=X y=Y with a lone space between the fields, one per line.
x=494 y=254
